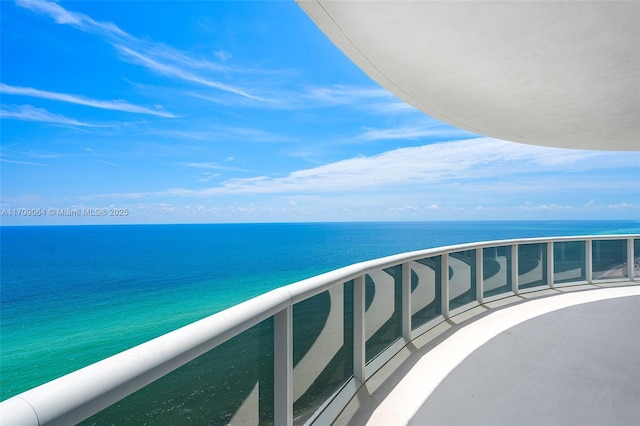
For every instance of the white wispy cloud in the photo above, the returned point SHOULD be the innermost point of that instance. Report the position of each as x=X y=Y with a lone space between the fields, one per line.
x=215 y=166
x=574 y=209
x=180 y=73
x=213 y=133
x=273 y=96
x=108 y=163
x=624 y=206
x=29 y=158
x=26 y=163
x=390 y=108
x=157 y=57
x=64 y=17
x=369 y=97
x=207 y=176
x=345 y=95
x=115 y=105
x=472 y=162
x=45 y=155
x=31 y=113
x=414 y=132
x=222 y=55
x=244 y=86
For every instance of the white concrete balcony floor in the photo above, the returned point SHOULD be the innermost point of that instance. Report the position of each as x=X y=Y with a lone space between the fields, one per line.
x=567 y=356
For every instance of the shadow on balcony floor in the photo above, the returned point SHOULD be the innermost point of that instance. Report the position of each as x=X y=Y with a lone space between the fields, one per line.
x=574 y=365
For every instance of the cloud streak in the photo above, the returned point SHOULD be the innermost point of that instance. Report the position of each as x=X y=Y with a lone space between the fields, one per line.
x=474 y=161
x=180 y=73
x=107 y=163
x=31 y=113
x=215 y=166
x=206 y=74
x=370 y=98
x=225 y=134
x=26 y=163
x=346 y=95
x=404 y=133
x=64 y=17
x=154 y=56
x=114 y=105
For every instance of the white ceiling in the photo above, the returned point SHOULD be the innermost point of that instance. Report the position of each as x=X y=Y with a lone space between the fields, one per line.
x=553 y=73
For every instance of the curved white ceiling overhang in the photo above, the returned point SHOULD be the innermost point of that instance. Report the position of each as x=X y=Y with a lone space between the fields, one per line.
x=552 y=73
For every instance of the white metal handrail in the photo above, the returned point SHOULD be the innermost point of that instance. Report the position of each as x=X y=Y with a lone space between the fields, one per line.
x=80 y=394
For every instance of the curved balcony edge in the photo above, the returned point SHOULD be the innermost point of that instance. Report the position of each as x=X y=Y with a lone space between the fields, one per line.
x=80 y=394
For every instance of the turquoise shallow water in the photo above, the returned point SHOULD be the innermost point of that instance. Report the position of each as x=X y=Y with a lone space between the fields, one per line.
x=72 y=295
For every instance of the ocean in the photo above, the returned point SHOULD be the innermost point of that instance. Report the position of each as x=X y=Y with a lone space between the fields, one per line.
x=72 y=295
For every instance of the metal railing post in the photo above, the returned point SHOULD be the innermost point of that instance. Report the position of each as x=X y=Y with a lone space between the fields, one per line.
x=283 y=367
x=406 y=301
x=444 y=284
x=514 y=269
x=359 y=337
x=588 y=259
x=479 y=276
x=550 y=265
x=630 y=259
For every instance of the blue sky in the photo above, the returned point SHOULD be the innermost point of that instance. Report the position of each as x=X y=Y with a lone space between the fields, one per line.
x=180 y=112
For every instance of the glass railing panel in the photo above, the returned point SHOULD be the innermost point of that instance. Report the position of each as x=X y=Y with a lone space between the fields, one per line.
x=636 y=255
x=322 y=348
x=569 y=262
x=609 y=259
x=383 y=321
x=426 y=302
x=496 y=270
x=462 y=278
x=231 y=384
x=532 y=265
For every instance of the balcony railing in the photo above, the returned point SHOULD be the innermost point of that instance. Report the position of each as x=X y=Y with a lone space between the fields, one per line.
x=297 y=354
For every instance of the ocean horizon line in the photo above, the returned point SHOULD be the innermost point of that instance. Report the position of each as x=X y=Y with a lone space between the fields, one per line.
x=338 y=222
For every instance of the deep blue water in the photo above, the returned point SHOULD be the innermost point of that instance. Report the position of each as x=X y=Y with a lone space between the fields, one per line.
x=72 y=295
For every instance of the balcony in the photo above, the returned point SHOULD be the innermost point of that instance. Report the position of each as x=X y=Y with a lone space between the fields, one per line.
x=358 y=344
